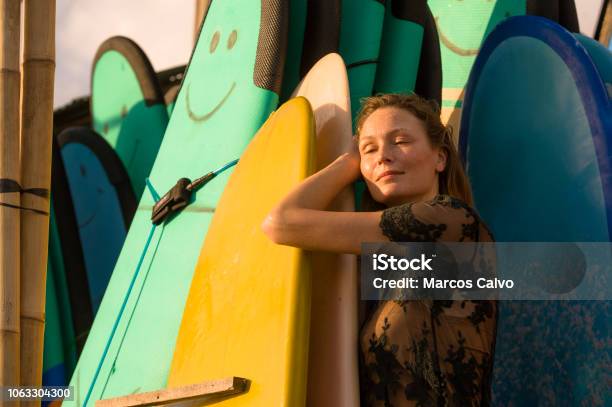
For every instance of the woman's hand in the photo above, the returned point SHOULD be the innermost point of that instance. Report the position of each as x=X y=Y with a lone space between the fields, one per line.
x=355 y=157
x=351 y=162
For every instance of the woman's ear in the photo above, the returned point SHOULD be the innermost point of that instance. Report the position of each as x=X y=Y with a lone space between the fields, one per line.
x=442 y=157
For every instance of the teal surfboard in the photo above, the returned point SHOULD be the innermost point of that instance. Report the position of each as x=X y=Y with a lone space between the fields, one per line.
x=537 y=140
x=103 y=201
x=231 y=86
x=68 y=307
x=295 y=43
x=127 y=106
x=66 y=255
x=59 y=355
x=170 y=98
x=54 y=369
x=321 y=33
x=409 y=59
x=361 y=29
x=464 y=25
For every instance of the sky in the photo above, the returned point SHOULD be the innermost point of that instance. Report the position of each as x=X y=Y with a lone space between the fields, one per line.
x=164 y=29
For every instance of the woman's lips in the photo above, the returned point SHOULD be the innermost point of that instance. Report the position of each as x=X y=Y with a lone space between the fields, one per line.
x=388 y=173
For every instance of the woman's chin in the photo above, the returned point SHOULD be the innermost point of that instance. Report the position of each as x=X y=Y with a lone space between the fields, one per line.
x=395 y=198
x=387 y=194
x=389 y=199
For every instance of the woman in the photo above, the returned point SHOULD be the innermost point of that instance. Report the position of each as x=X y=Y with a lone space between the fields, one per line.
x=412 y=352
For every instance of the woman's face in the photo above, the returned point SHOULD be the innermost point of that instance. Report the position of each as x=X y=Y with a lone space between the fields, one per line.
x=397 y=161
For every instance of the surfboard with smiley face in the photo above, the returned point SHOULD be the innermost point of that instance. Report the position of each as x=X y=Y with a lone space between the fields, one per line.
x=464 y=25
x=127 y=106
x=230 y=87
x=103 y=201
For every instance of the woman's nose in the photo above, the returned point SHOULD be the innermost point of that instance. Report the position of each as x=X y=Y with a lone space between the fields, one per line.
x=384 y=154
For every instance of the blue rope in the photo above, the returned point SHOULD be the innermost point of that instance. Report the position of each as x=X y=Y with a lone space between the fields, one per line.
x=226 y=166
x=152 y=190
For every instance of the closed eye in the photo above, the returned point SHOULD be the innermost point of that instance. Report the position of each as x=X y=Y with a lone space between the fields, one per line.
x=368 y=148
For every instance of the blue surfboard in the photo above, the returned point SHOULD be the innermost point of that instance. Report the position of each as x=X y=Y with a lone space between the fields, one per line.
x=68 y=307
x=536 y=135
x=104 y=203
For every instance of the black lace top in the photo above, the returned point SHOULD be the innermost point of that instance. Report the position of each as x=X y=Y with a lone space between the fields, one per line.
x=429 y=353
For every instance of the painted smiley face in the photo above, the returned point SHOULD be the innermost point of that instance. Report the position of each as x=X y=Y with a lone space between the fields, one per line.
x=83 y=173
x=127 y=110
x=477 y=19
x=214 y=45
x=219 y=104
x=115 y=89
x=98 y=214
x=462 y=27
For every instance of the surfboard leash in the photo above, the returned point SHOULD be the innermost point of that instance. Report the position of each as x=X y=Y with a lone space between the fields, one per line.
x=179 y=195
x=172 y=202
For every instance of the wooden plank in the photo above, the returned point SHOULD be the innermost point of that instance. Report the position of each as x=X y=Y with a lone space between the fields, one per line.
x=605 y=24
x=194 y=392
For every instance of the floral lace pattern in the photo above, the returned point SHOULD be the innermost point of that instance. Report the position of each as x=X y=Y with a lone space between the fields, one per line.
x=429 y=353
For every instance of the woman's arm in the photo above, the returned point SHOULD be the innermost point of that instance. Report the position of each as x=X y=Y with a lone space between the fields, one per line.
x=301 y=220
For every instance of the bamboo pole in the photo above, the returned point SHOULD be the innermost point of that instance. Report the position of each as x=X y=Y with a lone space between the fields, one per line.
x=605 y=24
x=36 y=136
x=10 y=20
x=201 y=8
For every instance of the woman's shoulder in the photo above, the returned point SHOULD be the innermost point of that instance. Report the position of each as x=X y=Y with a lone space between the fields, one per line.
x=442 y=218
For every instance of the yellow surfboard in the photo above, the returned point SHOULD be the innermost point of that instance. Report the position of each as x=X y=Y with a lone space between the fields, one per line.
x=248 y=309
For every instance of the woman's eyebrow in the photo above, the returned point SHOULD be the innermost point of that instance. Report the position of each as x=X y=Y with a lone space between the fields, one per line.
x=387 y=134
x=398 y=130
x=362 y=138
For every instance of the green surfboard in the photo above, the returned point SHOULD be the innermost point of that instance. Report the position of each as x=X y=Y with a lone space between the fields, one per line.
x=360 y=33
x=295 y=42
x=409 y=59
x=59 y=356
x=464 y=25
x=231 y=85
x=127 y=106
